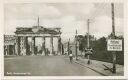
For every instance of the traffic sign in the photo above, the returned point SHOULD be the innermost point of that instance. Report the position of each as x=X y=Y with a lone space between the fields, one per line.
x=114 y=45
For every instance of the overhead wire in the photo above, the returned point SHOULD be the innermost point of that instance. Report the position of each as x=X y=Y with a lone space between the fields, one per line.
x=95 y=12
x=98 y=11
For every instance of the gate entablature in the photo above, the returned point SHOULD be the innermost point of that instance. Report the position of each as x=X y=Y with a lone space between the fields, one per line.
x=22 y=33
x=38 y=30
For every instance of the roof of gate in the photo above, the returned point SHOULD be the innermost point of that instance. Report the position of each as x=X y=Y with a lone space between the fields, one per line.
x=37 y=30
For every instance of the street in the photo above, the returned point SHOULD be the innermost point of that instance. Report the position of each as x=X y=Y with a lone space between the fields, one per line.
x=44 y=66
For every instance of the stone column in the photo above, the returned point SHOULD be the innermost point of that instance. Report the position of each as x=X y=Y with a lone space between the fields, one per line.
x=33 y=45
x=17 y=46
x=43 y=46
x=26 y=45
x=51 y=45
x=14 y=49
x=59 y=45
x=22 y=46
x=7 y=49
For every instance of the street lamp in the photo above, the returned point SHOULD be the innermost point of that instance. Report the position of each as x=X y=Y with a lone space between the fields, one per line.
x=89 y=50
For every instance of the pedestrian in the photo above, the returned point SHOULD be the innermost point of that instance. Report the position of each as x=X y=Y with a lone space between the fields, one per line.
x=70 y=56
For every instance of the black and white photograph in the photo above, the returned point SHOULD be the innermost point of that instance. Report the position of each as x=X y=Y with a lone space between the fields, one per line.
x=64 y=39
x=72 y=79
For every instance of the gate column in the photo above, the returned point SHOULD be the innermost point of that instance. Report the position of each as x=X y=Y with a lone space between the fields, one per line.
x=51 y=45
x=33 y=45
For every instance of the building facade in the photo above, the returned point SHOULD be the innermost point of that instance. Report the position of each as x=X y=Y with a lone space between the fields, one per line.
x=9 y=45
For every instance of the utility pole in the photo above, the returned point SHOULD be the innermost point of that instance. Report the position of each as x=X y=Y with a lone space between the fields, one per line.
x=88 y=44
x=113 y=37
x=76 y=45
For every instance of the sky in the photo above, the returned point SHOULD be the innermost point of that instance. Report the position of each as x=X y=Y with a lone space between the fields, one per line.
x=68 y=16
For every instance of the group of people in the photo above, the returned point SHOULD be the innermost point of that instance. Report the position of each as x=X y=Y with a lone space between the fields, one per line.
x=88 y=51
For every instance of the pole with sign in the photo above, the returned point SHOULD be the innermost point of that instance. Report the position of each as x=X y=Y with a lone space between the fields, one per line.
x=113 y=37
x=113 y=44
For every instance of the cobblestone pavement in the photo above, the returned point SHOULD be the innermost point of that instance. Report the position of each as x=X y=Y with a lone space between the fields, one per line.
x=98 y=67
x=44 y=66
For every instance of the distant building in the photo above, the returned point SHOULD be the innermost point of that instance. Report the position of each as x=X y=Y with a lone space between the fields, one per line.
x=9 y=44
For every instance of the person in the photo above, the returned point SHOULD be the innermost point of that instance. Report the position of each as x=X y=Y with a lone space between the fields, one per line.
x=70 y=56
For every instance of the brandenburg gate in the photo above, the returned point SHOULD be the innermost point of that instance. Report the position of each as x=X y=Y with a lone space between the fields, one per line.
x=22 y=34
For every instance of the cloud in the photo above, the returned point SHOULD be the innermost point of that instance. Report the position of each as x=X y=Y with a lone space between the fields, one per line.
x=48 y=11
x=29 y=11
x=102 y=26
x=68 y=24
x=10 y=25
x=119 y=26
x=104 y=9
x=80 y=9
x=69 y=16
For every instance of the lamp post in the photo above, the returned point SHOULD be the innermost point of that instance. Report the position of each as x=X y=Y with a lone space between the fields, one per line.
x=88 y=44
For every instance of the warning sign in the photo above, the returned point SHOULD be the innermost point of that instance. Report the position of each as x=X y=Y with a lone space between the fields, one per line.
x=114 y=45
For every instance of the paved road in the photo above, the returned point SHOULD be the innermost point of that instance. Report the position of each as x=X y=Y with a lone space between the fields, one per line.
x=45 y=66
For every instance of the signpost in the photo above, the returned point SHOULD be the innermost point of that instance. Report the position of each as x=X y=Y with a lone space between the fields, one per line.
x=114 y=45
